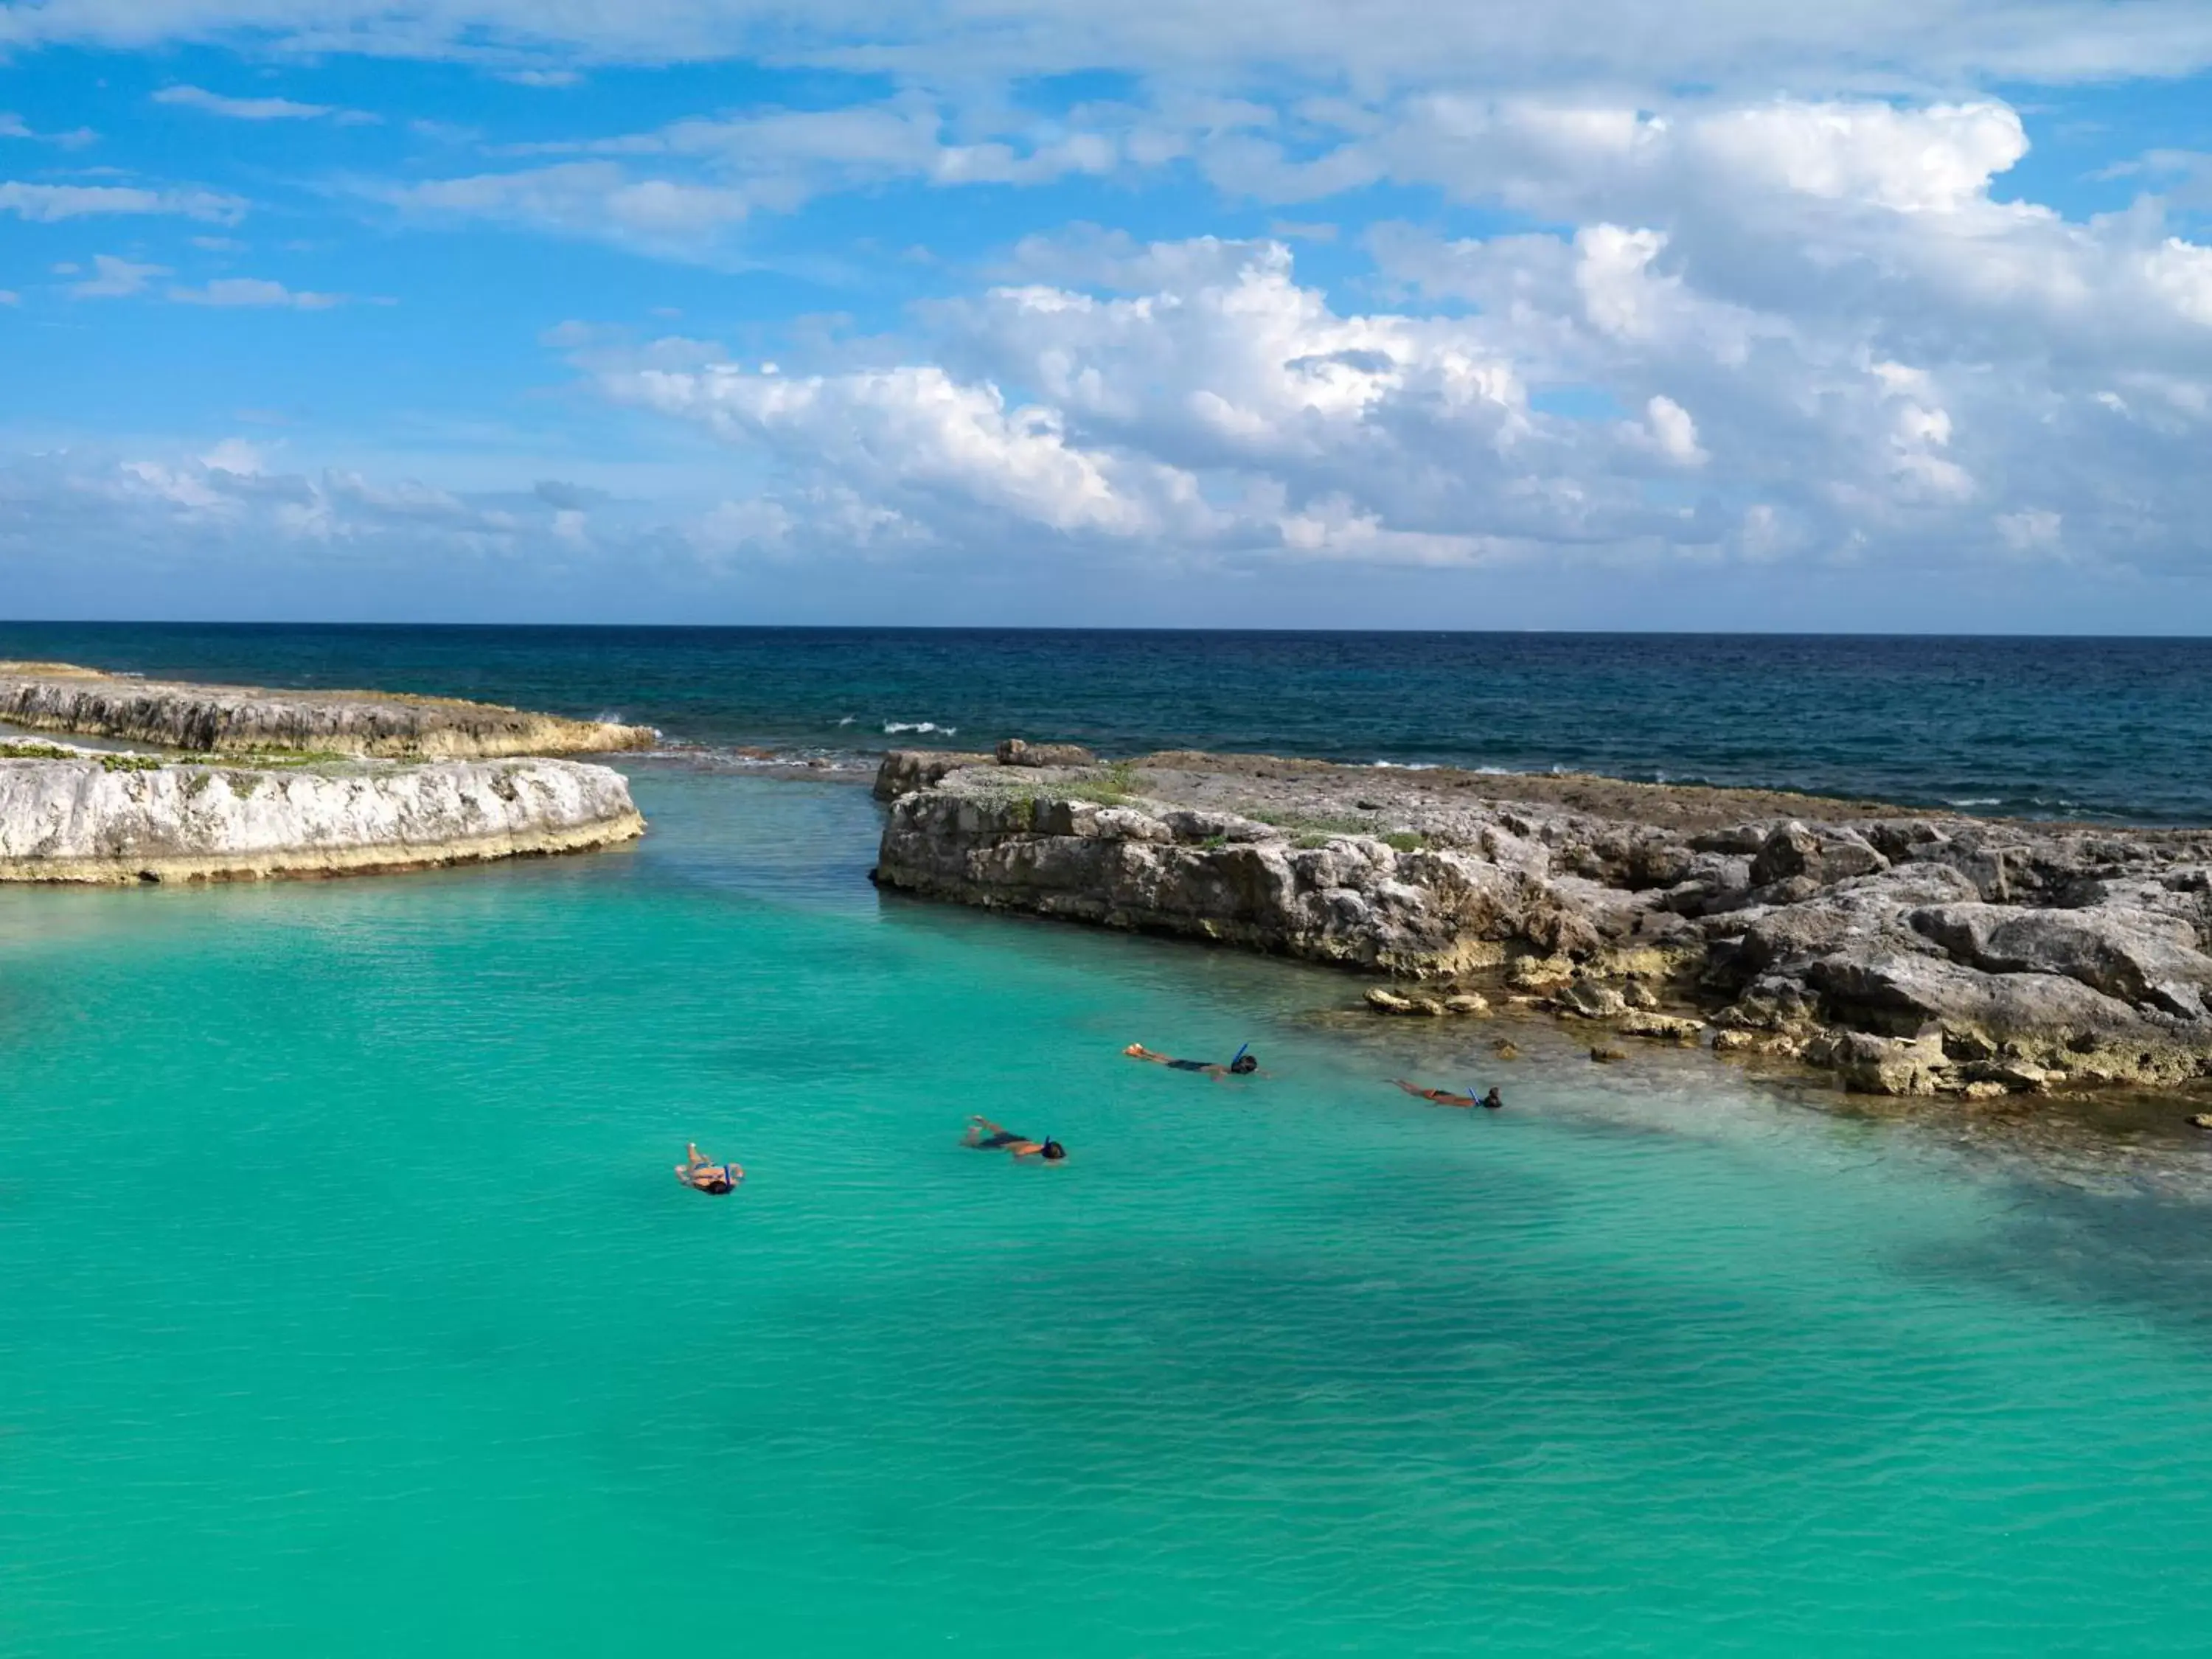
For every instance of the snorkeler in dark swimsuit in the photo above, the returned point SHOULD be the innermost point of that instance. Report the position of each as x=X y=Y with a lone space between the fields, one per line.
x=697 y=1173
x=1492 y=1101
x=986 y=1136
x=1242 y=1065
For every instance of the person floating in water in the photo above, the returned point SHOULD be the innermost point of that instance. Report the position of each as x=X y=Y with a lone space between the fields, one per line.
x=1490 y=1101
x=1242 y=1065
x=718 y=1178
x=986 y=1136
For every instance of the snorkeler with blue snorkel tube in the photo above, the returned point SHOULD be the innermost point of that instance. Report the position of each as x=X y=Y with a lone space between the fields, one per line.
x=1241 y=1064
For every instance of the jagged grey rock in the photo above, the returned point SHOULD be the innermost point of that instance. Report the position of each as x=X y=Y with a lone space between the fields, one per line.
x=905 y=770
x=1593 y=1001
x=1012 y=751
x=1907 y=952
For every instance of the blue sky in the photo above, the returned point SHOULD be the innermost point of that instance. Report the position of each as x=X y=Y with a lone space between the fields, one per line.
x=1894 y=317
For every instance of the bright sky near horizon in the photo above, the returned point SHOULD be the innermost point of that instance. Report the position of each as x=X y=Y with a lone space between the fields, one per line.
x=1891 y=314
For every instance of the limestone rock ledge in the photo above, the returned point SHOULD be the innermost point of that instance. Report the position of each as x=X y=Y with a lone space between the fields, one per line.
x=89 y=821
x=1907 y=954
x=231 y=718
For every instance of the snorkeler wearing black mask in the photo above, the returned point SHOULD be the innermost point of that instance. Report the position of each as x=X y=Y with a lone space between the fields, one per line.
x=1243 y=1064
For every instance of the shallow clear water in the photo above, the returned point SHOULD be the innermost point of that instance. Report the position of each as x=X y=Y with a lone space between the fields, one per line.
x=348 y=1304
x=2040 y=728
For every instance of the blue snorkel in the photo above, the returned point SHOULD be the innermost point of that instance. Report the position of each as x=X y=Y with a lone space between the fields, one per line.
x=1239 y=1055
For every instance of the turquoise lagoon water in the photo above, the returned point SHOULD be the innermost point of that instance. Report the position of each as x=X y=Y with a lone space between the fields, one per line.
x=348 y=1304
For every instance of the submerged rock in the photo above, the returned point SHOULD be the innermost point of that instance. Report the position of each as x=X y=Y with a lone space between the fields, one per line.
x=1666 y=1028
x=1884 y=1065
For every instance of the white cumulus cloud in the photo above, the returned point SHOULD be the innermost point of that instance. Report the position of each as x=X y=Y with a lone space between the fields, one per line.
x=1838 y=342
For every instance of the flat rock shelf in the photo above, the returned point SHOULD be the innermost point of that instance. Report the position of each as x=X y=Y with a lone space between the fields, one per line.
x=110 y=819
x=1909 y=953
x=239 y=718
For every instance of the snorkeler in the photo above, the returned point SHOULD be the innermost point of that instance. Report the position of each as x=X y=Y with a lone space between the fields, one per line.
x=986 y=1136
x=1492 y=1101
x=717 y=1178
x=1243 y=1064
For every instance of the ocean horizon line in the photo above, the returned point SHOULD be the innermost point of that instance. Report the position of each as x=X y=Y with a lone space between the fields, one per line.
x=1037 y=630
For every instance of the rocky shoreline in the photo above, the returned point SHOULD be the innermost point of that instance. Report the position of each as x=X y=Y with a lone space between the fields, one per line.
x=109 y=819
x=237 y=718
x=275 y=783
x=1907 y=953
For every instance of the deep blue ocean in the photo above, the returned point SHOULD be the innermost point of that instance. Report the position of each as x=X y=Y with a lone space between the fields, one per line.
x=2099 y=729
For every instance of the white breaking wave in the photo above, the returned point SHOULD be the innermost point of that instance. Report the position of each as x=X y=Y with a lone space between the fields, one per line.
x=1407 y=766
x=892 y=727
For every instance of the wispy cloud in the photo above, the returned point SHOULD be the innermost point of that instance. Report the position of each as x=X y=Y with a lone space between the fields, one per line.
x=260 y=109
x=234 y=291
x=48 y=202
x=115 y=278
x=677 y=190
x=585 y=198
x=13 y=125
x=1407 y=43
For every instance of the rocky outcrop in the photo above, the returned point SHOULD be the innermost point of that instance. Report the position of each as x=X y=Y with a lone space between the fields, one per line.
x=121 y=819
x=1014 y=752
x=235 y=718
x=1908 y=954
x=904 y=770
